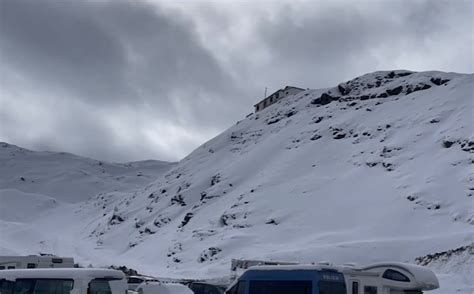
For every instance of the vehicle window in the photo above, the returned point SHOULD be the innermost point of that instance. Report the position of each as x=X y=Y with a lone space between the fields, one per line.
x=210 y=289
x=238 y=288
x=370 y=290
x=395 y=276
x=43 y=286
x=197 y=288
x=24 y=286
x=327 y=287
x=53 y=286
x=281 y=287
x=99 y=286
x=11 y=267
x=134 y=281
x=233 y=290
x=355 y=287
x=241 y=288
x=6 y=287
x=393 y=291
x=2 y=267
x=31 y=265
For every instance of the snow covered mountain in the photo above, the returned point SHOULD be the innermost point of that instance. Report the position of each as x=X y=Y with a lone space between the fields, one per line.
x=376 y=168
x=34 y=185
x=70 y=178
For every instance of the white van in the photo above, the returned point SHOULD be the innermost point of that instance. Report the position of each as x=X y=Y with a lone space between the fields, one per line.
x=62 y=281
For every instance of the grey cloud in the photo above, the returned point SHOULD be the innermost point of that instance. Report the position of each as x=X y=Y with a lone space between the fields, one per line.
x=61 y=45
x=127 y=80
x=109 y=55
x=107 y=52
x=322 y=44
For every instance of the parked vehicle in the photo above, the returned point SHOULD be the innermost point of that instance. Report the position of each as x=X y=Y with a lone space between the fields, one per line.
x=35 y=261
x=389 y=278
x=383 y=278
x=286 y=279
x=206 y=288
x=62 y=281
x=134 y=281
x=162 y=288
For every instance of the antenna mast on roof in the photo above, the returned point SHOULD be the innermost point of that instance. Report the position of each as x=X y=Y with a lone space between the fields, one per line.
x=265 y=93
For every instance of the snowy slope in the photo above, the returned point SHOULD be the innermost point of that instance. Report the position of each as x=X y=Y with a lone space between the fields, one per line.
x=70 y=178
x=42 y=185
x=379 y=168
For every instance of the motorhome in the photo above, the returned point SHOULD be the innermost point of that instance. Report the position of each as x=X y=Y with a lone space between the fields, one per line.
x=389 y=278
x=35 y=261
x=382 y=278
x=63 y=281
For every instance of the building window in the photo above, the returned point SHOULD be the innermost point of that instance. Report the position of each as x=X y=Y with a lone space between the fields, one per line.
x=277 y=95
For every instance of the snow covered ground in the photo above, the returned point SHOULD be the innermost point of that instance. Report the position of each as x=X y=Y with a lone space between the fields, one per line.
x=379 y=168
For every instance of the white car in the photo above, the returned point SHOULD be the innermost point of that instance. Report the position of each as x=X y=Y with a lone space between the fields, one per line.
x=162 y=288
x=62 y=281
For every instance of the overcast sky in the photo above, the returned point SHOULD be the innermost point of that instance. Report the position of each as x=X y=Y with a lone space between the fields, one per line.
x=130 y=80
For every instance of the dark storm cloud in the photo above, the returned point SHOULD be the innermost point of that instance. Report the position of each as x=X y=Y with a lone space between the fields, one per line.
x=62 y=45
x=107 y=55
x=105 y=51
x=126 y=80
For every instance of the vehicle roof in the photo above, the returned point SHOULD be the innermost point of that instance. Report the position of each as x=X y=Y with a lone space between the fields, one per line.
x=422 y=276
x=148 y=278
x=208 y=283
x=61 y=273
x=308 y=267
x=168 y=288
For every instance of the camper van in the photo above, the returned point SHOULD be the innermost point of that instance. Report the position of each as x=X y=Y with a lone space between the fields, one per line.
x=389 y=278
x=382 y=278
x=35 y=261
x=63 y=281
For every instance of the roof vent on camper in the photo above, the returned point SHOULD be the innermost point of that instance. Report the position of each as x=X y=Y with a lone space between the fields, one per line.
x=324 y=263
x=350 y=264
